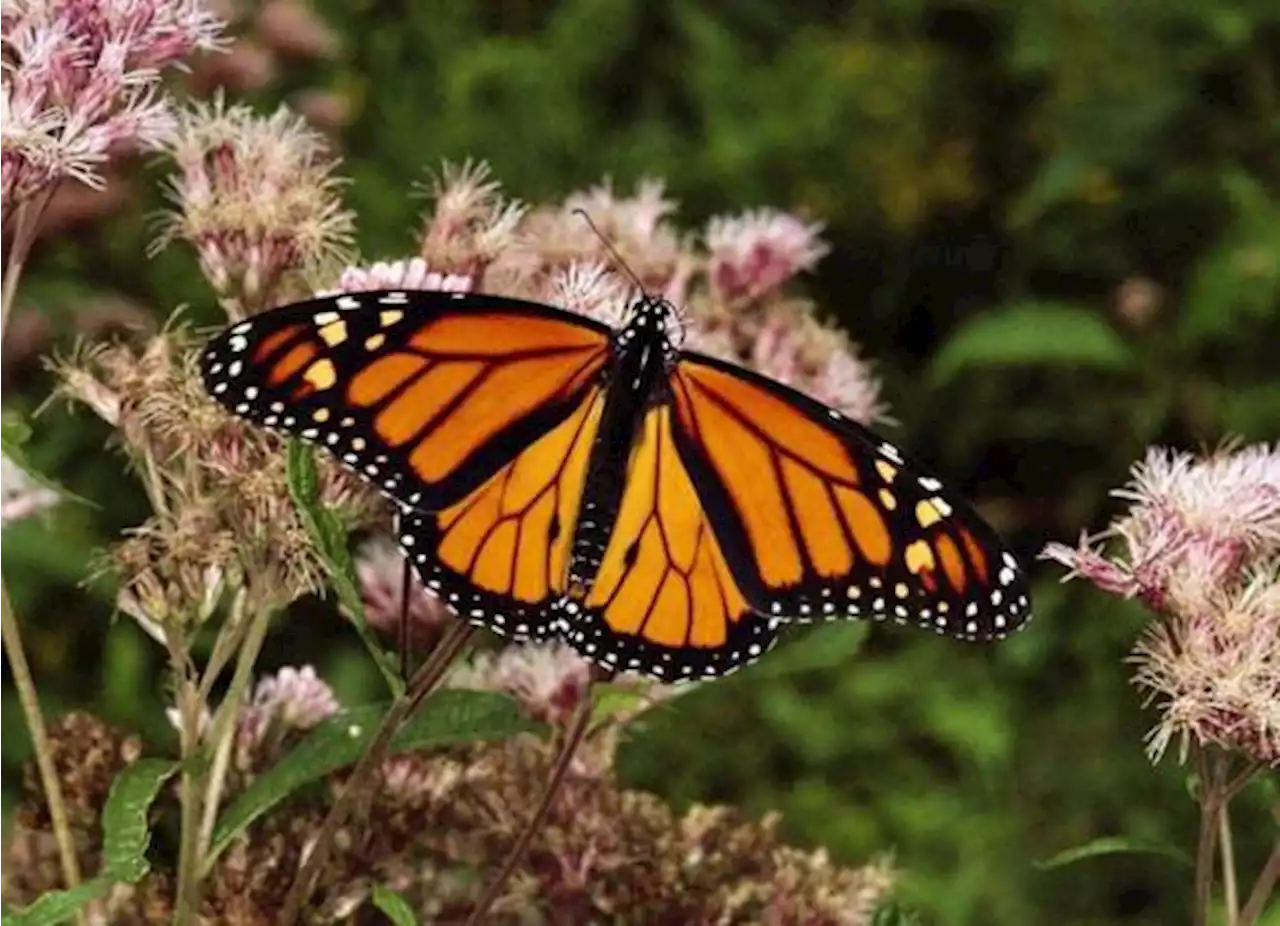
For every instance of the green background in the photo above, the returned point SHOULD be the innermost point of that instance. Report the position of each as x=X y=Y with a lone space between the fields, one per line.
x=991 y=173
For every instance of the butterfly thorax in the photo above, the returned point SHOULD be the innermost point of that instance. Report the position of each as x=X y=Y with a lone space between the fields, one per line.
x=642 y=356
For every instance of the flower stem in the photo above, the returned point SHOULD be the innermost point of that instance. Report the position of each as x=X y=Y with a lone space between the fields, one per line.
x=223 y=730
x=422 y=684
x=40 y=741
x=187 y=904
x=1263 y=888
x=572 y=738
x=1211 y=803
x=25 y=226
x=1228 y=862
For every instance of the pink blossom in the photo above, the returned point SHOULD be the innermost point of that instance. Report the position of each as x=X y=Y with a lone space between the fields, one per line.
x=793 y=347
x=380 y=570
x=592 y=289
x=756 y=252
x=81 y=82
x=257 y=197
x=549 y=680
x=292 y=700
x=399 y=274
x=1200 y=545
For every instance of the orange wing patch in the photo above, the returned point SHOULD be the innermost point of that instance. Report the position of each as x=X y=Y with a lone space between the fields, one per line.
x=511 y=536
x=426 y=394
x=818 y=517
x=663 y=600
x=793 y=483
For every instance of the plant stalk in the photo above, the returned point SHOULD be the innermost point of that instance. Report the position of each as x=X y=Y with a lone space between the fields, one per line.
x=1263 y=888
x=187 y=904
x=424 y=681
x=25 y=226
x=23 y=681
x=1228 y=862
x=223 y=730
x=1211 y=803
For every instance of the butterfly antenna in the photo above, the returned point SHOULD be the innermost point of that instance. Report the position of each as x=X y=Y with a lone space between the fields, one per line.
x=613 y=252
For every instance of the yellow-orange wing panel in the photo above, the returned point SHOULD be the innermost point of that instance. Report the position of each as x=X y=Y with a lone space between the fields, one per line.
x=820 y=518
x=664 y=601
x=499 y=556
x=426 y=394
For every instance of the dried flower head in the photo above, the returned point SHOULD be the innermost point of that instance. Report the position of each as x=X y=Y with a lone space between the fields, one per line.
x=440 y=823
x=1200 y=545
x=223 y=512
x=257 y=198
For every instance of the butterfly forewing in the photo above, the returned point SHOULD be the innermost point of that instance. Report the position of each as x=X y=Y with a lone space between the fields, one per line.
x=425 y=394
x=819 y=518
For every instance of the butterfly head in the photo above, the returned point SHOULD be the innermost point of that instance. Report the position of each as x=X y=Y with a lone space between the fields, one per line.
x=653 y=322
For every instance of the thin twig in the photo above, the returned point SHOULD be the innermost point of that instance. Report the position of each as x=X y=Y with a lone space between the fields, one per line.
x=190 y=794
x=26 y=225
x=1210 y=804
x=424 y=681
x=1263 y=888
x=573 y=737
x=1228 y=862
x=225 y=645
x=23 y=681
x=223 y=730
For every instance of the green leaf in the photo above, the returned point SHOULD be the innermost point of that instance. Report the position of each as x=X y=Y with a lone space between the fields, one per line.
x=610 y=698
x=125 y=835
x=446 y=717
x=125 y=838
x=1112 y=845
x=59 y=906
x=330 y=539
x=822 y=647
x=395 y=907
x=1032 y=334
x=14 y=434
x=893 y=913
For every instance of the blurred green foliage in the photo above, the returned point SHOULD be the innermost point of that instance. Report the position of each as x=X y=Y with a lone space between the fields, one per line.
x=1056 y=229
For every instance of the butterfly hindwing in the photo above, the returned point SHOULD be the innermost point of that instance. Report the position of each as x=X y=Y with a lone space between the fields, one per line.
x=425 y=394
x=663 y=601
x=499 y=556
x=819 y=518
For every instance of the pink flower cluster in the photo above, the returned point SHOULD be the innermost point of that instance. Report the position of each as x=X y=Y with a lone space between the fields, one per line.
x=81 y=82
x=1200 y=546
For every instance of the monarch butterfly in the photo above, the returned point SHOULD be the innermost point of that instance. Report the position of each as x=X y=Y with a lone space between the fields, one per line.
x=662 y=511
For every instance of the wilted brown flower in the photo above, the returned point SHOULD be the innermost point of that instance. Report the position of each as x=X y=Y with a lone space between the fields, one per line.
x=439 y=823
x=223 y=516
